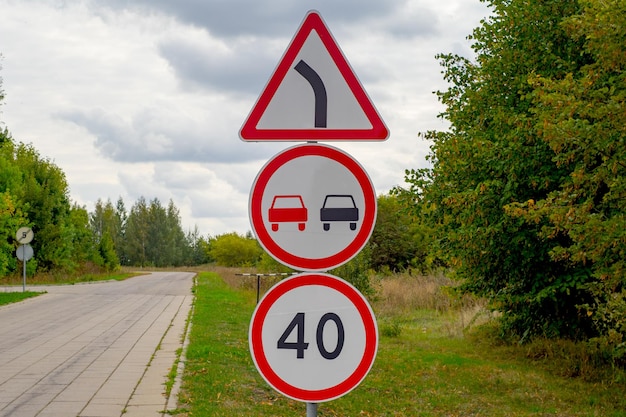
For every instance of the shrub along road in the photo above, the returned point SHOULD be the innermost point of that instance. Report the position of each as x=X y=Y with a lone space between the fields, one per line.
x=84 y=350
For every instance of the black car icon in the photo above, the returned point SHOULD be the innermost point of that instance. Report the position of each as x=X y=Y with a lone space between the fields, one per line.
x=339 y=208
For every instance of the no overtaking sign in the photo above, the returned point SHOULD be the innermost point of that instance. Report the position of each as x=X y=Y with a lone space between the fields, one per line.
x=312 y=207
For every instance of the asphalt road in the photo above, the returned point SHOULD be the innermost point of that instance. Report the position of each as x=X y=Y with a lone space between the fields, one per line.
x=93 y=350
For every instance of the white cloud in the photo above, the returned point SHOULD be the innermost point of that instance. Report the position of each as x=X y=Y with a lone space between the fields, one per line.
x=146 y=98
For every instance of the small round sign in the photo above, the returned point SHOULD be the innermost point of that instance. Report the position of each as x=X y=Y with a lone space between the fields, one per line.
x=313 y=337
x=24 y=235
x=312 y=207
x=24 y=252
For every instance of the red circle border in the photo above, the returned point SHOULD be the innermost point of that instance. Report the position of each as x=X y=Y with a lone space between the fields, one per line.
x=298 y=262
x=258 y=352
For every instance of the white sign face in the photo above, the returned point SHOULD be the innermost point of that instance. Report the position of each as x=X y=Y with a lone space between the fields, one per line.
x=24 y=235
x=24 y=252
x=313 y=337
x=342 y=109
x=313 y=94
x=312 y=207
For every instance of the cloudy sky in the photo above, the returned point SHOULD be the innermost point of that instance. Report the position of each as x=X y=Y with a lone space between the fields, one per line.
x=146 y=98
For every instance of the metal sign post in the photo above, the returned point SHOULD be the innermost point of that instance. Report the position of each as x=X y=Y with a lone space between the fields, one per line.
x=313 y=208
x=24 y=271
x=24 y=236
x=24 y=253
x=258 y=280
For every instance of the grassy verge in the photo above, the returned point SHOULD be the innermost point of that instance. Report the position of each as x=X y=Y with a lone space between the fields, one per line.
x=428 y=364
x=14 y=297
x=52 y=279
x=220 y=378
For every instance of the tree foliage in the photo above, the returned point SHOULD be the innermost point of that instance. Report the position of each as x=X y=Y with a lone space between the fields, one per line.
x=35 y=194
x=107 y=220
x=232 y=249
x=526 y=183
x=152 y=235
x=582 y=118
x=400 y=239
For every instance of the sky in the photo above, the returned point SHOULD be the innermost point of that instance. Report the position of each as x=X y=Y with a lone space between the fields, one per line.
x=135 y=98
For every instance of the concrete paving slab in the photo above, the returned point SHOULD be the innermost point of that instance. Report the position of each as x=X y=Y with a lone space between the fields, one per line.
x=62 y=408
x=143 y=411
x=102 y=410
x=91 y=345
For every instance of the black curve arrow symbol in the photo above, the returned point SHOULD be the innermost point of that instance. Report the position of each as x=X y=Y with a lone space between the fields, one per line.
x=321 y=100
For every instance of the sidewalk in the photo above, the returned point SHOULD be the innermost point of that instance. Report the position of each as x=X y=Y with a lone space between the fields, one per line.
x=100 y=350
x=148 y=398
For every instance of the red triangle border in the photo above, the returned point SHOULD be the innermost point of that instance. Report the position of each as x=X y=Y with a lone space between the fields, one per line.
x=249 y=131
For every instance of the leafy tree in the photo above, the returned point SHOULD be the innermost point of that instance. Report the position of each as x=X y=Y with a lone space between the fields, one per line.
x=197 y=248
x=157 y=248
x=178 y=245
x=494 y=157
x=35 y=193
x=152 y=234
x=582 y=118
x=357 y=271
x=44 y=195
x=399 y=240
x=11 y=219
x=137 y=234
x=109 y=220
x=106 y=250
x=104 y=220
x=83 y=247
x=120 y=236
x=11 y=214
x=232 y=249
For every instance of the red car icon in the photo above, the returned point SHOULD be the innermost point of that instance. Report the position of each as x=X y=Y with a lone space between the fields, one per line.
x=288 y=209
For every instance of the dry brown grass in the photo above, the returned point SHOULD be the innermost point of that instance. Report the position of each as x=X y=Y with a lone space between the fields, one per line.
x=234 y=278
x=402 y=295
x=396 y=296
x=87 y=272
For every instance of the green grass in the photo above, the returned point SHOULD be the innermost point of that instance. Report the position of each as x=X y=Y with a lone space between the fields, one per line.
x=48 y=279
x=53 y=279
x=422 y=369
x=14 y=297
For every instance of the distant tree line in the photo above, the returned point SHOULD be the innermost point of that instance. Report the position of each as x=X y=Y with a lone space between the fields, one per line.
x=35 y=193
x=148 y=235
x=400 y=242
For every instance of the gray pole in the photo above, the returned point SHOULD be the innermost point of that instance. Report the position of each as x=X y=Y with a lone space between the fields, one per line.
x=311 y=409
x=24 y=268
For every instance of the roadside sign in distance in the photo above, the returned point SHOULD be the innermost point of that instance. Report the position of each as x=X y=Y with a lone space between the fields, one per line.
x=24 y=235
x=24 y=252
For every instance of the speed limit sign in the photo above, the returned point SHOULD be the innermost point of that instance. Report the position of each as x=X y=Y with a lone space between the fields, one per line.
x=313 y=337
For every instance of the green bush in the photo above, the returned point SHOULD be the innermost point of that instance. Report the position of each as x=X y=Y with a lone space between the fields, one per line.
x=232 y=249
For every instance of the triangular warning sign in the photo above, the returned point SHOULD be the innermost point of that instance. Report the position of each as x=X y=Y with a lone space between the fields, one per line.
x=313 y=95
